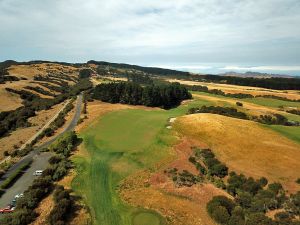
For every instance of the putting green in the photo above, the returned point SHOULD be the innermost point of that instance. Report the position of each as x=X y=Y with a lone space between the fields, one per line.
x=146 y=218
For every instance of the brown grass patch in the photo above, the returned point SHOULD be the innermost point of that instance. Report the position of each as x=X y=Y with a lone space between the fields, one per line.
x=9 y=101
x=245 y=146
x=44 y=209
x=180 y=206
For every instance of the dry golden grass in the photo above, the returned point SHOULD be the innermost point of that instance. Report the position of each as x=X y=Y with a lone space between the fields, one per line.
x=9 y=101
x=21 y=135
x=228 y=88
x=44 y=209
x=29 y=71
x=245 y=146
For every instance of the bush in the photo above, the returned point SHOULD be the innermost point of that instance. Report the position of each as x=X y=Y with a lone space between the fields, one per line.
x=239 y=104
x=63 y=205
x=214 y=166
x=220 y=208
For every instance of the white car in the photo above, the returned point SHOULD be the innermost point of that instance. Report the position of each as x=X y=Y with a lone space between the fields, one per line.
x=19 y=196
x=38 y=173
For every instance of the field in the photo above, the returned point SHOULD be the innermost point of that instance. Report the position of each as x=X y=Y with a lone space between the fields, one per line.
x=126 y=149
x=227 y=88
x=246 y=146
x=10 y=101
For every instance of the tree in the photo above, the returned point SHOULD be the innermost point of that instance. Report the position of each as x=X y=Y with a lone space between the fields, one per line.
x=85 y=73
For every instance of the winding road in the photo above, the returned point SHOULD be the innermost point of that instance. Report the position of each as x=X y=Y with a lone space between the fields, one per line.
x=40 y=161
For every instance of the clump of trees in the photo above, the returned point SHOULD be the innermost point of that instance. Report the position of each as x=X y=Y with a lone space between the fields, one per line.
x=279 y=98
x=63 y=206
x=85 y=73
x=294 y=111
x=205 y=89
x=239 y=104
x=225 y=111
x=40 y=90
x=274 y=119
x=139 y=78
x=11 y=120
x=183 y=178
x=164 y=96
x=213 y=165
x=250 y=201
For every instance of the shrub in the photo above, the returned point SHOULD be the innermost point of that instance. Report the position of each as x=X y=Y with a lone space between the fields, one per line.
x=220 y=208
x=63 y=205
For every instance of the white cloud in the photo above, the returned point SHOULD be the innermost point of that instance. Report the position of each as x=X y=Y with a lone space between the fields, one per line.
x=184 y=67
x=263 y=68
x=151 y=31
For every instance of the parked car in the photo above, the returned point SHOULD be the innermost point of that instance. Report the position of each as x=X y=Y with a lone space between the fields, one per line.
x=38 y=173
x=19 y=196
x=7 y=209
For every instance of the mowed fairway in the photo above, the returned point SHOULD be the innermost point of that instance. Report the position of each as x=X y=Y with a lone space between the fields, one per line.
x=246 y=147
x=119 y=144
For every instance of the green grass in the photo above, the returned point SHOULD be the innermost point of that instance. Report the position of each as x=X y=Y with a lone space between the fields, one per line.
x=272 y=103
x=119 y=144
x=147 y=218
x=292 y=133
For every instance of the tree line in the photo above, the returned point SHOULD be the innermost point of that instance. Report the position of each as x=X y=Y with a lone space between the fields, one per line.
x=274 y=119
x=164 y=96
x=277 y=83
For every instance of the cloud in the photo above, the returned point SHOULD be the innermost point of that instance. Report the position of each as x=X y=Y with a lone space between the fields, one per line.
x=151 y=32
x=263 y=68
x=184 y=67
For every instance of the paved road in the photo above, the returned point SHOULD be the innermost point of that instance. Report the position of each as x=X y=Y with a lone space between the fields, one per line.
x=40 y=161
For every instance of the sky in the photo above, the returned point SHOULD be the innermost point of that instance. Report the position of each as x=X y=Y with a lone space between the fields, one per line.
x=192 y=35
